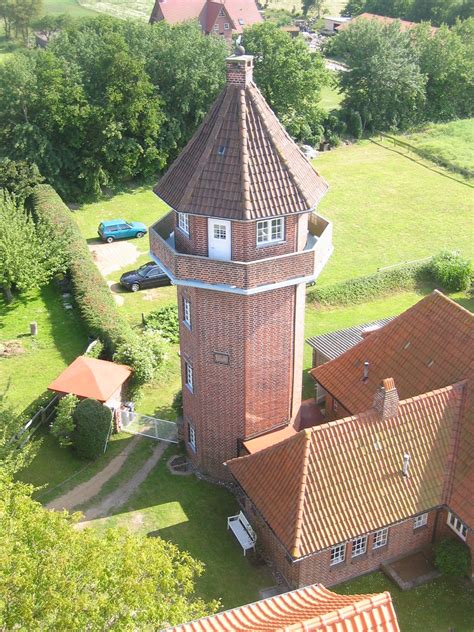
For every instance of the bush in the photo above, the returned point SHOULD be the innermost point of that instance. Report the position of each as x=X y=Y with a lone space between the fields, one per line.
x=177 y=404
x=452 y=558
x=63 y=425
x=451 y=270
x=367 y=288
x=96 y=350
x=144 y=353
x=354 y=124
x=164 y=321
x=93 y=423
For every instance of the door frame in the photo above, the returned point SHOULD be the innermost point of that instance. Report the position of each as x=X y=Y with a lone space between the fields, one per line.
x=221 y=256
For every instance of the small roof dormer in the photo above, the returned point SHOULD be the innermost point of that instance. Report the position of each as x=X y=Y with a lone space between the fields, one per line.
x=241 y=163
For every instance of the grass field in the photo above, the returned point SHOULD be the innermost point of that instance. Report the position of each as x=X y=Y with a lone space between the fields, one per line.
x=331 y=7
x=452 y=142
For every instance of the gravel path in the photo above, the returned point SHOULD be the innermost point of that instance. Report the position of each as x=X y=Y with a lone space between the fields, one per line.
x=112 y=257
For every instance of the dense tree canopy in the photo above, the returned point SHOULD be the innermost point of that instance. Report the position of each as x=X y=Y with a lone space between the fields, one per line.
x=435 y=11
x=13 y=458
x=54 y=577
x=17 y=15
x=19 y=178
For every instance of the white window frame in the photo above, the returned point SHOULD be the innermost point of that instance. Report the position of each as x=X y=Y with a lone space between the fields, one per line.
x=183 y=223
x=216 y=28
x=188 y=372
x=380 y=538
x=457 y=525
x=270 y=231
x=192 y=437
x=226 y=26
x=338 y=554
x=187 y=312
x=420 y=521
x=359 y=546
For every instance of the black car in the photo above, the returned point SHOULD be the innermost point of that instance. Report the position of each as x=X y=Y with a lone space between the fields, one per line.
x=148 y=275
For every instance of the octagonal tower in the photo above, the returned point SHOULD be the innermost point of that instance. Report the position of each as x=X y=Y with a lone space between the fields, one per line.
x=240 y=244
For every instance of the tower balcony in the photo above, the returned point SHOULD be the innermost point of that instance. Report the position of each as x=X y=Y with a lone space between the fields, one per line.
x=242 y=277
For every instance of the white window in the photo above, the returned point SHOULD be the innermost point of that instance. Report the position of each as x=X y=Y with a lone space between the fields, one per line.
x=338 y=554
x=216 y=27
x=420 y=521
x=380 y=538
x=187 y=311
x=226 y=26
x=269 y=231
x=457 y=526
x=359 y=546
x=183 y=223
x=220 y=231
x=192 y=436
x=189 y=375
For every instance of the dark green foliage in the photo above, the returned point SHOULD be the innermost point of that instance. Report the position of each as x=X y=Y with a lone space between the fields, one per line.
x=367 y=288
x=354 y=124
x=451 y=270
x=435 y=11
x=93 y=423
x=17 y=15
x=96 y=351
x=143 y=353
x=353 y=8
x=164 y=321
x=19 y=178
x=63 y=425
x=177 y=404
x=452 y=558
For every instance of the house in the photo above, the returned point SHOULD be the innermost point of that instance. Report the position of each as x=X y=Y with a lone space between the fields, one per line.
x=241 y=242
x=310 y=609
x=332 y=24
x=391 y=472
x=405 y=25
x=225 y=17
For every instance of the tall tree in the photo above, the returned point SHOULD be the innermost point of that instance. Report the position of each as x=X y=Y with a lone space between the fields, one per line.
x=19 y=178
x=316 y=6
x=55 y=577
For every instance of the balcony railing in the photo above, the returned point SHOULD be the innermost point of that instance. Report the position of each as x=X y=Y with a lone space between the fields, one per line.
x=246 y=276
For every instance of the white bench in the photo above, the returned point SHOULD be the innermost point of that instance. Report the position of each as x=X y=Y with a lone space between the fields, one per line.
x=241 y=528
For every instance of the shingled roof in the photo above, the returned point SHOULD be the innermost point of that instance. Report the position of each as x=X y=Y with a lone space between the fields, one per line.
x=241 y=164
x=312 y=608
x=342 y=479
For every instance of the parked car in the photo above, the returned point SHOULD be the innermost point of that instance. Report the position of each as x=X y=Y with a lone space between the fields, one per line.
x=148 y=275
x=120 y=229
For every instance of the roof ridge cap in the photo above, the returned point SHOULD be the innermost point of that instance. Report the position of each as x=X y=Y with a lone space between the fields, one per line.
x=440 y=294
x=455 y=439
x=245 y=154
x=302 y=495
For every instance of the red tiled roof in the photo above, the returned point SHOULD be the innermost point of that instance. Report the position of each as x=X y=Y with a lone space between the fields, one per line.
x=342 y=479
x=268 y=439
x=405 y=25
x=88 y=377
x=261 y=173
x=241 y=12
x=310 y=609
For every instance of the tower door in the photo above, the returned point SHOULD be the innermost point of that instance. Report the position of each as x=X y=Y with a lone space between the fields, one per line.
x=219 y=239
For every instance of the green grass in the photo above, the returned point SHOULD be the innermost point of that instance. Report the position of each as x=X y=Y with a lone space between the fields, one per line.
x=193 y=514
x=443 y=604
x=71 y=7
x=330 y=98
x=451 y=142
x=387 y=209
x=61 y=338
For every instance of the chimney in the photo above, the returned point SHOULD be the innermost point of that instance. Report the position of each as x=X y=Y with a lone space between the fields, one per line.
x=239 y=68
x=366 y=372
x=406 y=465
x=386 y=399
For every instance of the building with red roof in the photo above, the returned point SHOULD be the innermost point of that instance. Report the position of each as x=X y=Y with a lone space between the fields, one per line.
x=310 y=609
x=221 y=18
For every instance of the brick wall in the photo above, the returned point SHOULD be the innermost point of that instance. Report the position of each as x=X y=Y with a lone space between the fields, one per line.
x=445 y=531
x=331 y=413
x=196 y=243
x=244 y=241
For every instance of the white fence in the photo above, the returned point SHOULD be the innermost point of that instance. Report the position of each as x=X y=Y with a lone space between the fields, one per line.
x=160 y=429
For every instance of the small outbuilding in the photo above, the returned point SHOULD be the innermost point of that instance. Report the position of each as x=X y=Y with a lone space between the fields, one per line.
x=97 y=379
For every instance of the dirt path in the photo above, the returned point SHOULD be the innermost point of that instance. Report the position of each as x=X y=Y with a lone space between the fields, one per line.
x=86 y=491
x=123 y=493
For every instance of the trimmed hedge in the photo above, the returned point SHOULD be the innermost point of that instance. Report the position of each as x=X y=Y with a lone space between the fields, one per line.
x=93 y=423
x=370 y=287
x=93 y=297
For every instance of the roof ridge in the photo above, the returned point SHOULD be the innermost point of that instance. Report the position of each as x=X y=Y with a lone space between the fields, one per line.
x=301 y=500
x=446 y=298
x=245 y=155
x=455 y=439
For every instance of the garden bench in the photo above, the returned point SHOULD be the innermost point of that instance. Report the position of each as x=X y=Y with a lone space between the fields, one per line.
x=241 y=528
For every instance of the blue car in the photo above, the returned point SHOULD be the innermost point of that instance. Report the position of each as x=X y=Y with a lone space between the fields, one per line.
x=120 y=229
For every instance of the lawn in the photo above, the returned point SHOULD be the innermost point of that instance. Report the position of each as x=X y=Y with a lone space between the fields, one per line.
x=330 y=98
x=443 y=604
x=71 y=7
x=61 y=338
x=387 y=209
x=452 y=142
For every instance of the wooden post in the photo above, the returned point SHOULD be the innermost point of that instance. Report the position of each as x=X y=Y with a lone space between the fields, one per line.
x=34 y=328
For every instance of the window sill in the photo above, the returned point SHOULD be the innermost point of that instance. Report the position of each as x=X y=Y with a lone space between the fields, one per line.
x=190 y=389
x=272 y=243
x=186 y=324
x=182 y=231
x=192 y=447
x=336 y=565
x=420 y=528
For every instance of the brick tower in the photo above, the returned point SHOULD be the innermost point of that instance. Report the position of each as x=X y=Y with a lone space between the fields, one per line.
x=240 y=244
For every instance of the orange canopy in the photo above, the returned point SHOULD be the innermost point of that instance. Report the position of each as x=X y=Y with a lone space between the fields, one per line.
x=88 y=377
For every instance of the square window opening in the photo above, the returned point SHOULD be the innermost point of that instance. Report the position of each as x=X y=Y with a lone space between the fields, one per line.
x=338 y=554
x=183 y=223
x=380 y=538
x=270 y=231
x=359 y=546
x=420 y=521
x=189 y=375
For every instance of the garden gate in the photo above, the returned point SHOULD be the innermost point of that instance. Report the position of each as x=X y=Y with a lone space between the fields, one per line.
x=160 y=429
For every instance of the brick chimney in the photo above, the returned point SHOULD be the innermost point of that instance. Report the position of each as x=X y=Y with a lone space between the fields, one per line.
x=386 y=399
x=239 y=70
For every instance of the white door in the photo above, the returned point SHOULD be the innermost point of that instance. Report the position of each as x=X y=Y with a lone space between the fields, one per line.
x=219 y=239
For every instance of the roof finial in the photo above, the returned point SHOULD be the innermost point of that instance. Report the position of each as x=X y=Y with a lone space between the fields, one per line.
x=239 y=49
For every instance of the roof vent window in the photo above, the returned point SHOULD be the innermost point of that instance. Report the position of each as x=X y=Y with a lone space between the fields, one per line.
x=430 y=363
x=221 y=150
x=241 y=21
x=407 y=344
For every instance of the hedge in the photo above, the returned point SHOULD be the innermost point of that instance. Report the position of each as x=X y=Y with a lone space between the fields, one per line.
x=93 y=296
x=373 y=286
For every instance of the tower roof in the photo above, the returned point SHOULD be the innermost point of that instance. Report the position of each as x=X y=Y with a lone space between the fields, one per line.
x=241 y=163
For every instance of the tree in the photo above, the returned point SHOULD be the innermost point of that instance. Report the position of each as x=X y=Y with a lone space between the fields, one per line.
x=19 y=178
x=13 y=458
x=55 y=577
x=30 y=256
x=63 y=425
x=290 y=78
x=318 y=6
x=384 y=83
x=92 y=426
x=353 y=8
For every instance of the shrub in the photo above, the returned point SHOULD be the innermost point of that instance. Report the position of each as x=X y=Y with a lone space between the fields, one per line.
x=452 y=558
x=177 y=404
x=451 y=270
x=93 y=423
x=164 y=321
x=96 y=350
x=63 y=425
x=354 y=124
x=144 y=353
